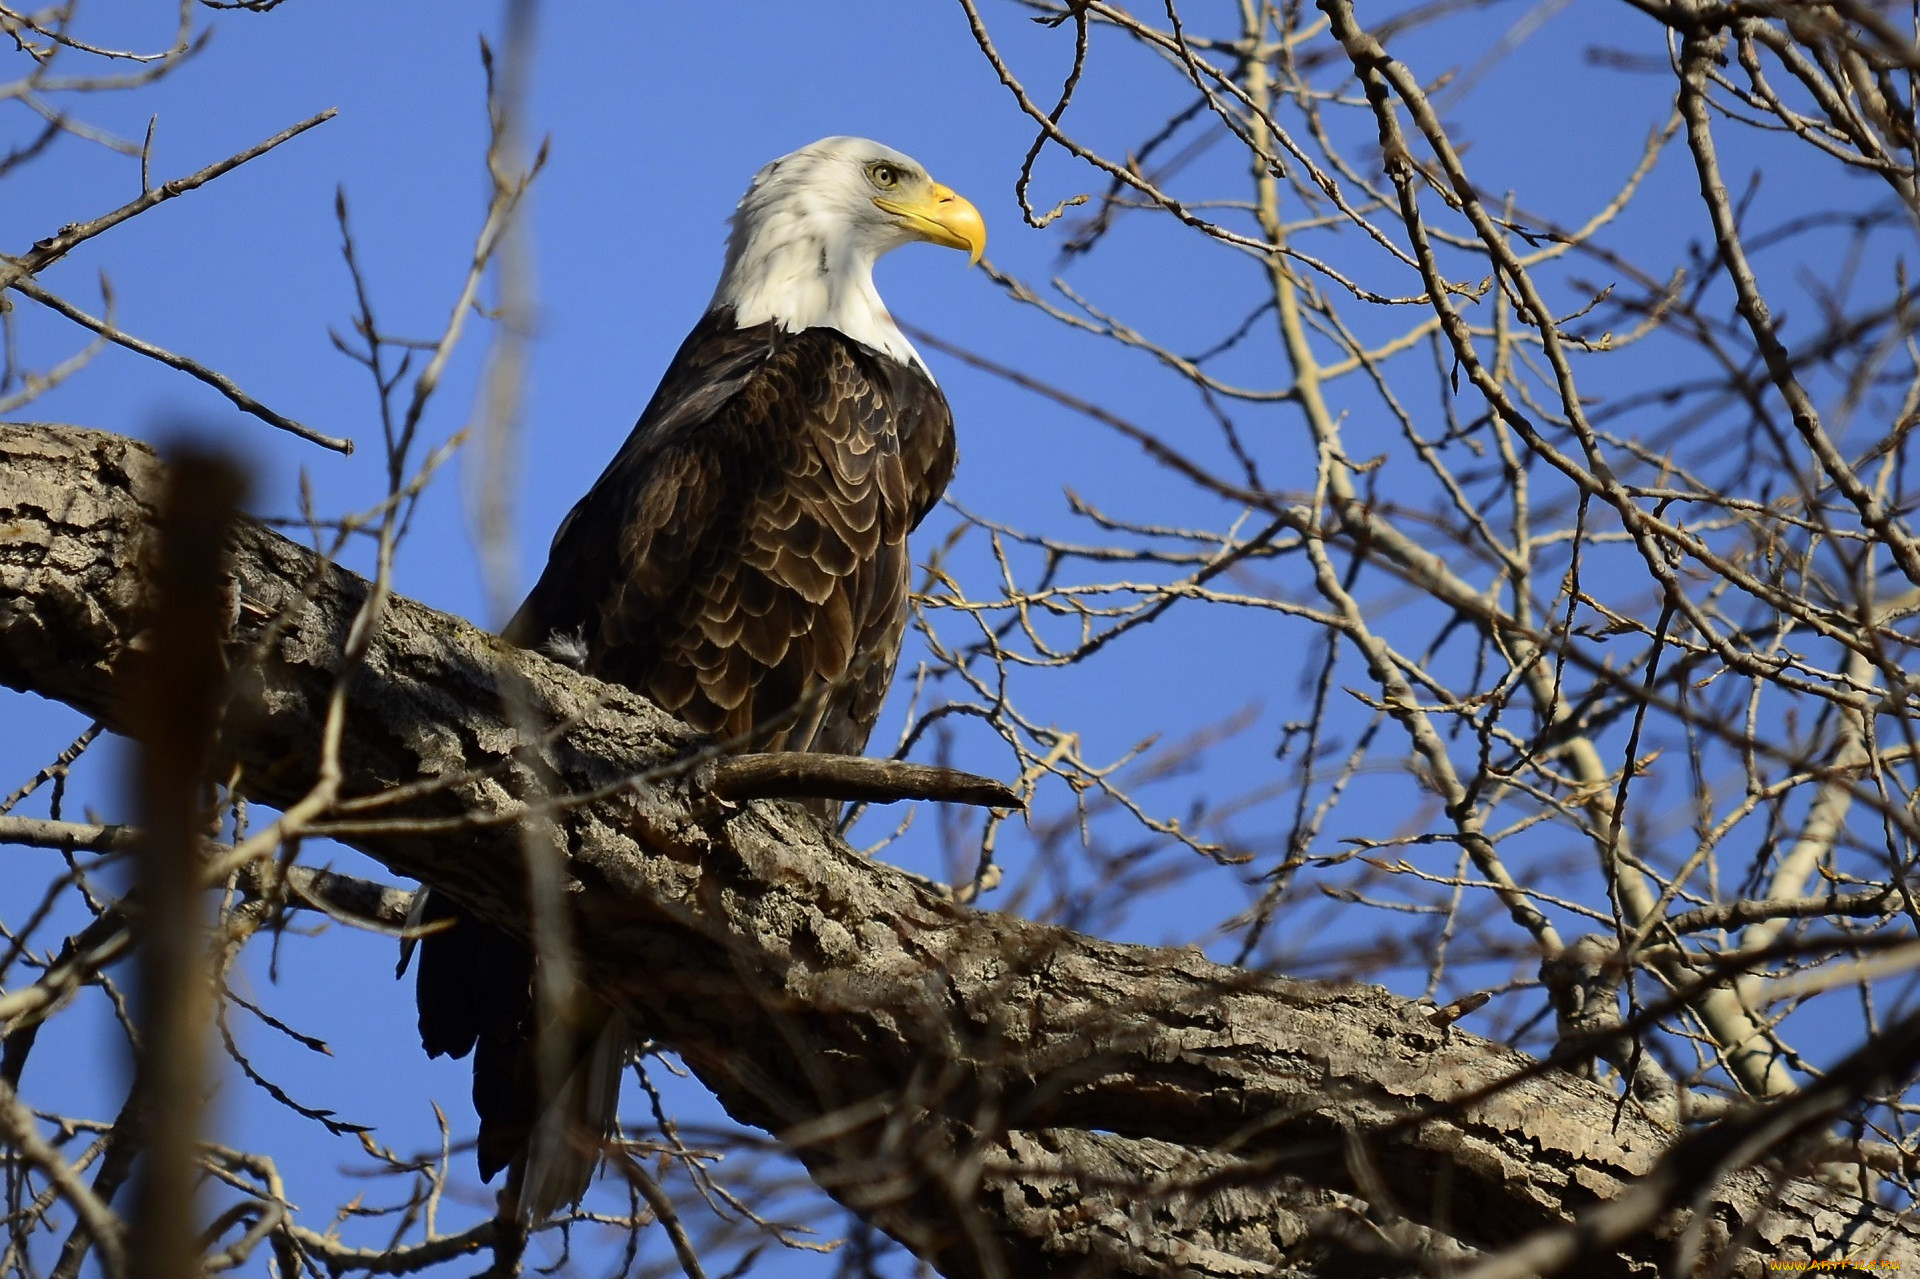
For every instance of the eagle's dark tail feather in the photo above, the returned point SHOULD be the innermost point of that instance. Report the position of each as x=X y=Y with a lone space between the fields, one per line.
x=475 y=995
x=563 y=1148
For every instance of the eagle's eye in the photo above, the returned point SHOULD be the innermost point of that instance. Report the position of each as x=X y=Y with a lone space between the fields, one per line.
x=884 y=175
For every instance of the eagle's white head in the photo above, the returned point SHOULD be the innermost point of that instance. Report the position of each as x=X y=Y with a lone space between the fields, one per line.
x=809 y=229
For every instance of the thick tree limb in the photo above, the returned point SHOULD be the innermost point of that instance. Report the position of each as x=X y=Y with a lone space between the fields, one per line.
x=1006 y=1098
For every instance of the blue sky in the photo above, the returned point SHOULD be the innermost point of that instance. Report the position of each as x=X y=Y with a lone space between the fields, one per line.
x=657 y=116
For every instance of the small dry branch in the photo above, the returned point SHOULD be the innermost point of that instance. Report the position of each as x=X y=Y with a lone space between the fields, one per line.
x=801 y=775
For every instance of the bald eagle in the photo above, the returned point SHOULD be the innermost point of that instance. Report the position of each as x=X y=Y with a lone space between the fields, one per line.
x=742 y=562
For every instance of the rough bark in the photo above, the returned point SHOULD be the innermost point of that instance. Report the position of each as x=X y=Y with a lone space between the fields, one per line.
x=1005 y=1097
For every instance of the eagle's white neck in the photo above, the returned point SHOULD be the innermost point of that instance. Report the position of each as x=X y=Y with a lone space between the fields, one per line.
x=799 y=261
x=800 y=284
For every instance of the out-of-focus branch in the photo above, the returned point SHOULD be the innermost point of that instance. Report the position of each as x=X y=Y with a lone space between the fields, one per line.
x=175 y=707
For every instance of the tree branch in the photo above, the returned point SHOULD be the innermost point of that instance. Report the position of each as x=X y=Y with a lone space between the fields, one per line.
x=192 y=368
x=804 y=775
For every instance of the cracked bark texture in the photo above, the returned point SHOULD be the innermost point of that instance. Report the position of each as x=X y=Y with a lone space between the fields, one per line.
x=1004 y=1097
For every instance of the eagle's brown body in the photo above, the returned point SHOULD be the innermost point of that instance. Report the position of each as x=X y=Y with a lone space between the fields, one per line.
x=742 y=562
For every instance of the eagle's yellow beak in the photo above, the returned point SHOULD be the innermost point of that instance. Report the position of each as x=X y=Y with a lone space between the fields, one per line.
x=943 y=217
